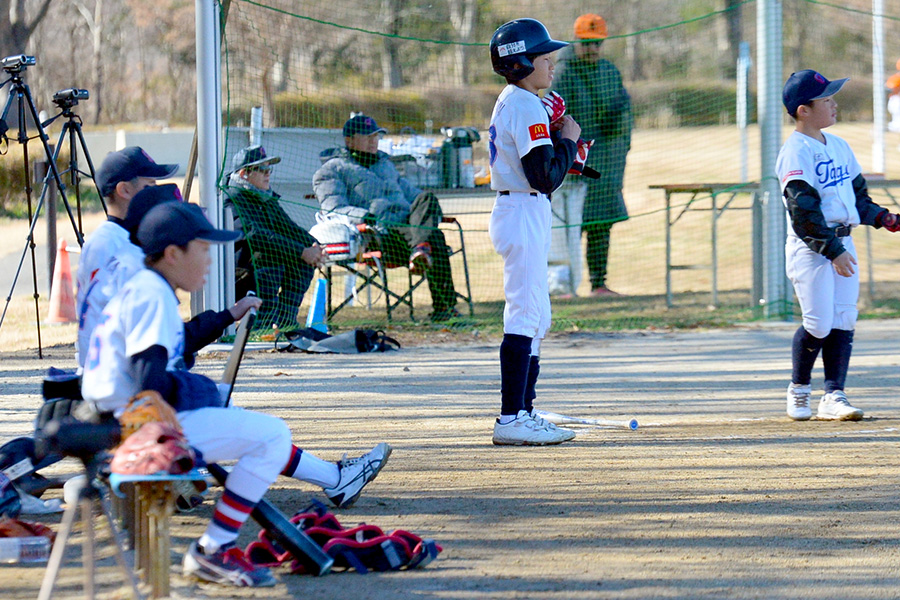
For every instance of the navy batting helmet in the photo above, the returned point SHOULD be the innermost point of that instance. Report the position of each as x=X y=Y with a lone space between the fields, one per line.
x=514 y=44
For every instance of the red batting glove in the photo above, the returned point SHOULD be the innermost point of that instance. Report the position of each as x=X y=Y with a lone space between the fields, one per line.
x=891 y=222
x=555 y=107
x=584 y=146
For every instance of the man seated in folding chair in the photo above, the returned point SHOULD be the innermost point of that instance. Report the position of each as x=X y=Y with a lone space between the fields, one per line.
x=360 y=182
x=277 y=258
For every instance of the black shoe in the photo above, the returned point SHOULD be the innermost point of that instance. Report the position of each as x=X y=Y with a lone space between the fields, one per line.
x=447 y=314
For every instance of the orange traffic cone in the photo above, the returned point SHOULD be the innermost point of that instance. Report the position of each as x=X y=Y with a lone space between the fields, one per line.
x=62 y=297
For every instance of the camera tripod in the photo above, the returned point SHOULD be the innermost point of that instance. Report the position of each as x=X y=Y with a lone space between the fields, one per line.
x=19 y=93
x=89 y=497
x=66 y=100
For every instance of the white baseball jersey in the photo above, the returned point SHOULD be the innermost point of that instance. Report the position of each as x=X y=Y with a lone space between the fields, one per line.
x=520 y=220
x=829 y=168
x=108 y=260
x=827 y=300
x=143 y=314
x=519 y=124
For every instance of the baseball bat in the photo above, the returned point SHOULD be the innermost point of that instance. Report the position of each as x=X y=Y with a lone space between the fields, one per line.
x=590 y=173
x=558 y=419
x=288 y=535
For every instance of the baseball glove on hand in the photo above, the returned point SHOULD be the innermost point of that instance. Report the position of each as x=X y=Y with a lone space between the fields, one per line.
x=584 y=146
x=147 y=407
x=156 y=447
x=890 y=221
x=555 y=107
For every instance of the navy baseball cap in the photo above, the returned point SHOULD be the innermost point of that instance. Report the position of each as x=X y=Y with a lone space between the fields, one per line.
x=178 y=223
x=362 y=125
x=127 y=164
x=146 y=199
x=253 y=156
x=805 y=86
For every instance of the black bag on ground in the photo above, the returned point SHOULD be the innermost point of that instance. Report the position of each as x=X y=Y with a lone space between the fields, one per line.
x=350 y=342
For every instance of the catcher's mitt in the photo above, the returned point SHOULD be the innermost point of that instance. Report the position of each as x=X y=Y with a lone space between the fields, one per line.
x=155 y=447
x=147 y=407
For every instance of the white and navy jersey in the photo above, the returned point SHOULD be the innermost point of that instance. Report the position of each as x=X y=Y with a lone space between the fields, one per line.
x=519 y=124
x=829 y=168
x=143 y=314
x=108 y=260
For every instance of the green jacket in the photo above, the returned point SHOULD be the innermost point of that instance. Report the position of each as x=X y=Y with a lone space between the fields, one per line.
x=597 y=99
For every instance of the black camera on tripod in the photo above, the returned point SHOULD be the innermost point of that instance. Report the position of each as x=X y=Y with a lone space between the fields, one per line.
x=70 y=437
x=17 y=63
x=70 y=97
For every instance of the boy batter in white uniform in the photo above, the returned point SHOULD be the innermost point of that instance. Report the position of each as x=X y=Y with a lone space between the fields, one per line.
x=826 y=198
x=527 y=164
x=142 y=344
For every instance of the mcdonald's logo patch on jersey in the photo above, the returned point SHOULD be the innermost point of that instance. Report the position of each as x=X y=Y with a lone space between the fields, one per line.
x=793 y=173
x=539 y=132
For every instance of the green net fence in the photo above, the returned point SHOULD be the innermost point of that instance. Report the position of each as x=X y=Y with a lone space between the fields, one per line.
x=681 y=249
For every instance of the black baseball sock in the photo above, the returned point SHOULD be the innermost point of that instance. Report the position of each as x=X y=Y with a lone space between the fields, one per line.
x=534 y=369
x=804 y=351
x=515 y=351
x=836 y=351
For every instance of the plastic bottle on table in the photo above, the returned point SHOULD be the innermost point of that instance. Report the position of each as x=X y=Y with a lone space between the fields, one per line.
x=34 y=549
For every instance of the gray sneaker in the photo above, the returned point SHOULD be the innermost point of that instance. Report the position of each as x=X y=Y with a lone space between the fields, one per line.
x=356 y=473
x=834 y=406
x=798 y=397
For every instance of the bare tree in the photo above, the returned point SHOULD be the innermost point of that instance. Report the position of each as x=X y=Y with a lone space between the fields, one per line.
x=94 y=21
x=463 y=17
x=392 y=74
x=732 y=37
x=15 y=28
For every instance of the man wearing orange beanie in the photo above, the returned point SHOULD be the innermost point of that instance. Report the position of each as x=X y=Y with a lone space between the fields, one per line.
x=595 y=96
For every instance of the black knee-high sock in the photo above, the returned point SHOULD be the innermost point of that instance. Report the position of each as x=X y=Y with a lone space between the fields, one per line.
x=534 y=369
x=836 y=351
x=515 y=351
x=804 y=351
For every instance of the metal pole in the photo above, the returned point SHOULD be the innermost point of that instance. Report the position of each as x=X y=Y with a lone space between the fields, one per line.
x=769 y=84
x=878 y=92
x=256 y=124
x=743 y=76
x=208 y=119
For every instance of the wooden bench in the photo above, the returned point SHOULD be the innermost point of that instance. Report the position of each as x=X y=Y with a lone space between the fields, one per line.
x=152 y=505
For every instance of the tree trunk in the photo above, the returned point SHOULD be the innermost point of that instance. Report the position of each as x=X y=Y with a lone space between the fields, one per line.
x=15 y=31
x=463 y=16
x=391 y=71
x=732 y=38
x=633 y=44
x=97 y=61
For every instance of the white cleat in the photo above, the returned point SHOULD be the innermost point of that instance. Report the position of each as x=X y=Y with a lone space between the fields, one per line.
x=570 y=435
x=834 y=406
x=526 y=431
x=798 y=398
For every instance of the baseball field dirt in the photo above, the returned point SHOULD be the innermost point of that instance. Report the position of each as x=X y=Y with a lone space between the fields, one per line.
x=716 y=495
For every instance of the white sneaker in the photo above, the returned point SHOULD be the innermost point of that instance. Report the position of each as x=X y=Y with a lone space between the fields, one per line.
x=834 y=406
x=798 y=397
x=570 y=435
x=356 y=473
x=525 y=431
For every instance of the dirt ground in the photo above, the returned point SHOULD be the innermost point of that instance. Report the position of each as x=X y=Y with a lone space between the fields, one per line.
x=716 y=495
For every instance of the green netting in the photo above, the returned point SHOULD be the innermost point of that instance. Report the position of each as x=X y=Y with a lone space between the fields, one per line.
x=421 y=70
